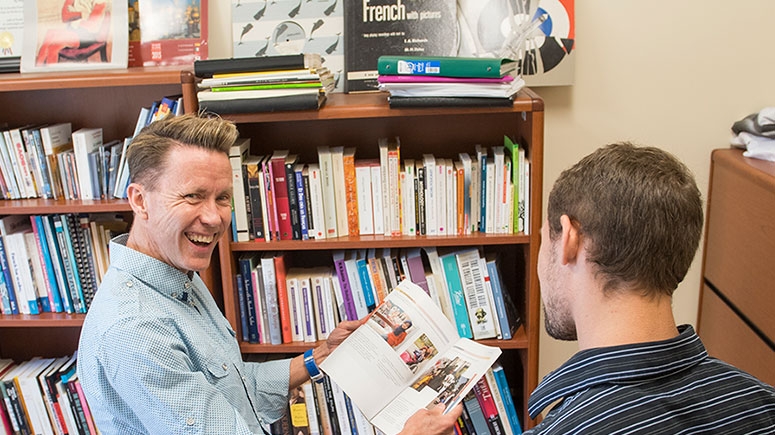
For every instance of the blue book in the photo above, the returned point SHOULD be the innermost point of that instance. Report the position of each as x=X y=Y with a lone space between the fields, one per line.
x=7 y=288
x=301 y=192
x=508 y=400
x=46 y=191
x=471 y=404
x=247 y=262
x=368 y=290
x=56 y=260
x=61 y=226
x=481 y=157
x=51 y=283
x=497 y=298
x=243 y=315
x=456 y=295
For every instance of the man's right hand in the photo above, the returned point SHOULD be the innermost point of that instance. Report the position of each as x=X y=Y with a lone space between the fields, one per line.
x=432 y=422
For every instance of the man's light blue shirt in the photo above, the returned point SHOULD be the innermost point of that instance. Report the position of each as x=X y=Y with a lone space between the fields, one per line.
x=156 y=356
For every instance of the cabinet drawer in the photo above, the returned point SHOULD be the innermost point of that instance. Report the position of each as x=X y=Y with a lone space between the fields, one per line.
x=729 y=339
x=740 y=249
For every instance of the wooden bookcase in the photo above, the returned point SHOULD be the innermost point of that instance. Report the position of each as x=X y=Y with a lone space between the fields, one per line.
x=359 y=120
x=109 y=99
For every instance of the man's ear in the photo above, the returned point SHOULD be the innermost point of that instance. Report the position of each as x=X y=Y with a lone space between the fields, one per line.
x=570 y=240
x=135 y=194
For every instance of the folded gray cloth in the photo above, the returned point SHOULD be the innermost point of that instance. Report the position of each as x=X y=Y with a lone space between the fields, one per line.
x=759 y=124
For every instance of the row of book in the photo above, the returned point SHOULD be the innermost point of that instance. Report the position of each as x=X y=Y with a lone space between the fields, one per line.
x=324 y=409
x=53 y=161
x=263 y=84
x=43 y=396
x=282 y=304
x=426 y=81
x=279 y=197
x=53 y=263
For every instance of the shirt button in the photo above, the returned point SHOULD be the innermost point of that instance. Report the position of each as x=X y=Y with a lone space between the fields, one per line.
x=225 y=366
x=174 y=294
x=129 y=283
x=190 y=421
x=187 y=285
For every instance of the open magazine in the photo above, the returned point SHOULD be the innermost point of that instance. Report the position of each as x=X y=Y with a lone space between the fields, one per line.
x=406 y=356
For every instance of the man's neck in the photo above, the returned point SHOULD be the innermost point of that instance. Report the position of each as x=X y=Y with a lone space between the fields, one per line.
x=625 y=319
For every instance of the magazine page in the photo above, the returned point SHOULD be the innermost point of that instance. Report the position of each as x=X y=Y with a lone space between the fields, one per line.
x=403 y=337
x=446 y=381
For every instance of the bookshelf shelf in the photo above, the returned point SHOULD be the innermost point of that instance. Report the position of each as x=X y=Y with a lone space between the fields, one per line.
x=359 y=120
x=110 y=99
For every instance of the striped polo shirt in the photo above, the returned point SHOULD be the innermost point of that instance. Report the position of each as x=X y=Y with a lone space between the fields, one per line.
x=663 y=387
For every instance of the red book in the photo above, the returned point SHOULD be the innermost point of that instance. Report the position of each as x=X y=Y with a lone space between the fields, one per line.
x=280 y=188
x=282 y=297
x=487 y=403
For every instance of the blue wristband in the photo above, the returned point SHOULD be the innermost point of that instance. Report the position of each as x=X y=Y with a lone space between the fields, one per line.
x=312 y=368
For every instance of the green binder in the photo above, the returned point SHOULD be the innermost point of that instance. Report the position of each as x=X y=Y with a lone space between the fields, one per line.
x=476 y=67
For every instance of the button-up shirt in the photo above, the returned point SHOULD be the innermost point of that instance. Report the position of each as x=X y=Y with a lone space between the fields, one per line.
x=665 y=387
x=156 y=356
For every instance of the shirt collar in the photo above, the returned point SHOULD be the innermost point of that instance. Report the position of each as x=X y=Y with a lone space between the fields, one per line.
x=154 y=273
x=618 y=365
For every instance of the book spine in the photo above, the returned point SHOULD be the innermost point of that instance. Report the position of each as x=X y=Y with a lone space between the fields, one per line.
x=36 y=272
x=316 y=200
x=259 y=305
x=252 y=176
x=9 y=407
x=282 y=298
x=498 y=301
x=456 y=295
x=378 y=213
x=489 y=409
x=474 y=410
x=24 y=174
x=320 y=304
x=395 y=190
x=308 y=310
x=302 y=190
x=236 y=156
x=351 y=192
x=10 y=292
x=52 y=289
x=340 y=192
x=280 y=188
x=250 y=310
x=327 y=188
x=310 y=401
x=239 y=284
x=366 y=284
x=294 y=305
x=272 y=304
x=77 y=407
x=333 y=416
x=365 y=214
x=85 y=257
x=86 y=411
x=321 y=408
x=271 y=204
x=22 y=273
x=293 y=201
x=346 y=290
x=69 y=261
x=508 y=400
x=480 y=312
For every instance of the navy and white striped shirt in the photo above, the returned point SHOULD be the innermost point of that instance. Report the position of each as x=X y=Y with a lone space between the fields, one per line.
x=665 y=387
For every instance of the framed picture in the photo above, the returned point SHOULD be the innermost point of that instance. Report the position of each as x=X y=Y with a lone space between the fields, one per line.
x=65 y=35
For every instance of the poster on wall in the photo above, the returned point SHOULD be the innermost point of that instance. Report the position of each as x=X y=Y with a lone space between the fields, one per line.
x=539 y=33
x=74 y=35
x=277 y=27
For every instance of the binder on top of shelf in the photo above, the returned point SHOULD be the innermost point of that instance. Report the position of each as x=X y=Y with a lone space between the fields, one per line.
x=209 y=67
x=446 y=66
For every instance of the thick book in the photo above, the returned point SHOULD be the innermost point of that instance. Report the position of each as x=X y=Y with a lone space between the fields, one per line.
x=85 y=141
x=280 y=189
x=374 y=358
x=477 y=297
x=209 y=67
x=445 y=66
x=252 y=104
x=167 y=33
x=275 y=324
x=472 y=90
x=237 y=154
x=380 y=27
x=396 y=102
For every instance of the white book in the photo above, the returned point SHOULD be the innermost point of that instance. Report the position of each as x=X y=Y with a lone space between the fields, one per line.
x=49 y=394
x=488 y=294
x=365 y=204
x=295 y=305
x=318 y=229
x=509 y=199
x=7 y=165
x=498 y=399
x=437 y=276
x=270 y=298
x=499 y=189
x=237 y=153
x=308 y=325
x=376 y=195
x=122 y=178
x=385 y=184
x=341 y=409
x=21 y=164
x=489 y=196
x=523 y=181
x=472 y=277
x=336 y=290
x=56 y=138
x=429 y=163
x=33 y=398
x=407 y=195
x=320 y=304
x=312 y=417
x=476 y=180
x=441 y=197
x=394 y=184
x=340 y=192
x=329 y=198
x=12 y=229
x=259 y=305
x=85 y=141
x=36 y=264
x=451 y=207
x=264 y=199
x=526 y=183
x=351 y=265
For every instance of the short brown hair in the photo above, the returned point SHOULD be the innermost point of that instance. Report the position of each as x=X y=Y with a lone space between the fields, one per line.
x=640 y=210
x=146 y=155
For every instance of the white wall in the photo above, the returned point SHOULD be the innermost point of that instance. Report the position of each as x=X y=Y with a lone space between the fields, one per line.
x=673 y=74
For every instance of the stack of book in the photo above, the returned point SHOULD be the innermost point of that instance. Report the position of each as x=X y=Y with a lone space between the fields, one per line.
x=427 y=81
x=263 y=84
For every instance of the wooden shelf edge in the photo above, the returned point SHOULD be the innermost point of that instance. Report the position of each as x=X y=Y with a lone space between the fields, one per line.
x=90 y=79
x=364 y=242
x=49 y=206
x=43 y=320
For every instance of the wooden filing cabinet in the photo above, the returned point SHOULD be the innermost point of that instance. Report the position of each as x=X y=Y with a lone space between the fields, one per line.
x=737 y=299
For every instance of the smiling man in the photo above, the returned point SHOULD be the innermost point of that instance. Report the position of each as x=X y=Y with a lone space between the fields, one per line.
x=156 y=356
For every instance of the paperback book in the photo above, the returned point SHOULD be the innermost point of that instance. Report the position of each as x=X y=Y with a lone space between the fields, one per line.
x=162 y=32
x=410 y=353
x=395 y=27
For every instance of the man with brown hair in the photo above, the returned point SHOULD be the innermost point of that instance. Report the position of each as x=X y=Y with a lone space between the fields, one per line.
x=622 y=228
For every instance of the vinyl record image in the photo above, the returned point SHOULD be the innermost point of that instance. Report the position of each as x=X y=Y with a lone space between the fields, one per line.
x=288 y=38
